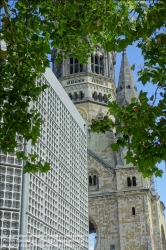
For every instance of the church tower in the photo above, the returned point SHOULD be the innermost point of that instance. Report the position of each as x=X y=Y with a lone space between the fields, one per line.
x=124 y=210
x=88 y=87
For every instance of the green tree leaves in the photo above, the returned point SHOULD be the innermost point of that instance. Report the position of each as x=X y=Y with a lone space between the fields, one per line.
x=31 y=29
x=140 y=128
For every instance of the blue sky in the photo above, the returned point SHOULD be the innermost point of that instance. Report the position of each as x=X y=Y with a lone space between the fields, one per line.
x=135 y=57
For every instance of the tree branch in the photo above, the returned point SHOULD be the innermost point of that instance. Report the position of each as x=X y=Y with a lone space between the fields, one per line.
x=8 y=14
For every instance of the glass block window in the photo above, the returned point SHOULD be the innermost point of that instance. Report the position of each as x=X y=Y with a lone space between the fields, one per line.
x=58 y=201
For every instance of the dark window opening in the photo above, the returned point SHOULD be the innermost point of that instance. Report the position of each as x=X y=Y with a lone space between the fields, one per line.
x=97 y=69
x=100 y=97
x=75 y=96
x=97 y=64
x=71 y=60
x=105 y=99
x=128 y=86
x=133 y=210
x=112 y=247
x=75 y=66
x=70 y=95
x=81 y=67
x=121 y=87
x=134 y=181
x=128 y=182
x=94 y=180
x=71 y=69
x=95 y=96
x=101 y=65
x=90 y=181
x=81 y=95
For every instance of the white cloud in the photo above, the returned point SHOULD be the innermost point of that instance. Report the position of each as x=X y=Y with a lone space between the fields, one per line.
x=91 y=248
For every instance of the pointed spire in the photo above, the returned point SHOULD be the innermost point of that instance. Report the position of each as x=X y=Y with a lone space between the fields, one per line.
x=126 y=85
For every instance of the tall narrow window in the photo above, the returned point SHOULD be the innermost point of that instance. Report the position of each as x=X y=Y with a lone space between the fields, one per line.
x=70 y=95
x=133 y=210
x=95 y=96
x=75 y=96
x=81 y=95
x=81 y=67
x=100 y=97
x=101 y=65
x=128 y=182
x=94 y=180
x=71 y=66
x=97 y=64
x=92 y=63
x=134 y=181
x=105 y=98
x=90 y=181
x=75 y=66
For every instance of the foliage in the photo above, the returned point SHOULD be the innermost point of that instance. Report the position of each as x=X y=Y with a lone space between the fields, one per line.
x=141 y=125
x=31 y=28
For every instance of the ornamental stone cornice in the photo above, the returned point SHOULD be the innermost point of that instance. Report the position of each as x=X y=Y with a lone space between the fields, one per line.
x=90 y=85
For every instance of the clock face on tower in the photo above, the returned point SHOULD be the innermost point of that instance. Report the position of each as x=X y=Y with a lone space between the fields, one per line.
x=83 y=113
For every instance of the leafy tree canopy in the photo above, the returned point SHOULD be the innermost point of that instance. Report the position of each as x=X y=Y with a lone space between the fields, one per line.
x=31 y=28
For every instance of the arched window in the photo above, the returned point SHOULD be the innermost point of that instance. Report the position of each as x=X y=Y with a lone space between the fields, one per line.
x=133 y=210
x=71 y=66
x=81 y=95
x=94 y=180
x=75 y=66
x=134 y=181
x=94 y=96
x=128 y=182
x=70 y=95
x=90 y=181
x=97 y=64
x=75 y=96
x=105 y=99
x=100 y=97
x=101 y=65
x=128 y=86
x=92 y=63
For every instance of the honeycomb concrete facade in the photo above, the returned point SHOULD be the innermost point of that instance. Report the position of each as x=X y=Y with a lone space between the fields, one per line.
x=50 y=210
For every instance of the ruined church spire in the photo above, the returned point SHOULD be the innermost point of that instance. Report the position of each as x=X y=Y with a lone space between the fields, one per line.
x=126 y=85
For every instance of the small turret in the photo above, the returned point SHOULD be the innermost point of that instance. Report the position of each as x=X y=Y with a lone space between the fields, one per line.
x=126 y=85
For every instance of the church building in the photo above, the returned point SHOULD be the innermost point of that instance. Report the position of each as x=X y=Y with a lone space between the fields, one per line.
x=124 y=210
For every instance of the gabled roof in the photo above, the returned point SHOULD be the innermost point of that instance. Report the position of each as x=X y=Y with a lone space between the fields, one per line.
x=97 y=158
